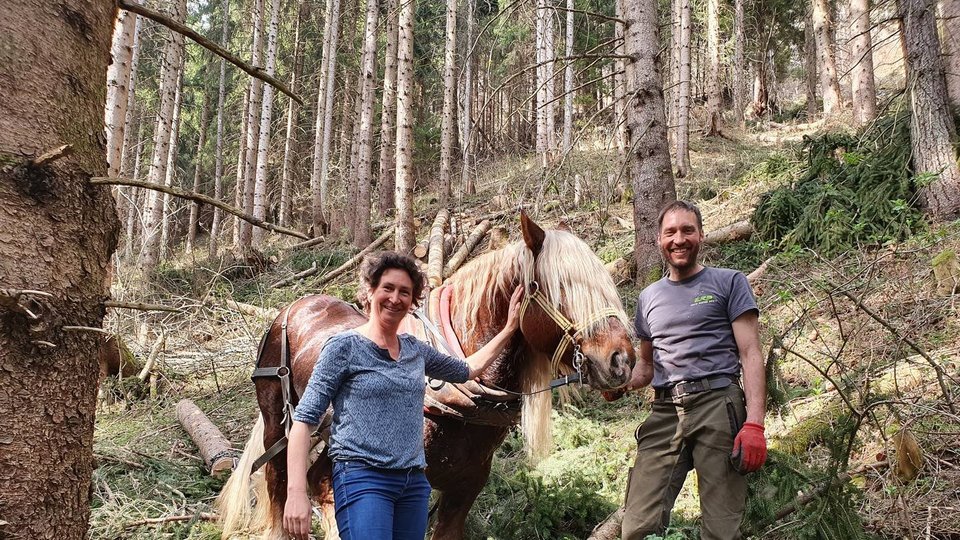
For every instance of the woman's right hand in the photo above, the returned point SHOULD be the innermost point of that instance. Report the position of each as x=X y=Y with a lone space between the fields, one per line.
x=296 y=515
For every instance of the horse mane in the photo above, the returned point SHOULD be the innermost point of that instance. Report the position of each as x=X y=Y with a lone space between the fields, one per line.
x=574 y=281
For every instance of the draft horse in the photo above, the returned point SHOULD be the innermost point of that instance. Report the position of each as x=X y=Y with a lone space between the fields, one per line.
x=577 y=325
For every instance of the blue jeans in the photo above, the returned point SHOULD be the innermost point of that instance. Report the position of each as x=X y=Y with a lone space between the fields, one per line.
x=380 y=504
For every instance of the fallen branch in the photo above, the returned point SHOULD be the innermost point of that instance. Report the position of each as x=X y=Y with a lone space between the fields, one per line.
x=805 y=498
x=139 y=306
x=740 y=230
x=152 y=357
x=111 y=181
x=340 y=269
x=251 y=310
x=461 y=255
x=309 y=243
x=202 y=516
x=207 y=44
x=298 y=276
x=758 y=273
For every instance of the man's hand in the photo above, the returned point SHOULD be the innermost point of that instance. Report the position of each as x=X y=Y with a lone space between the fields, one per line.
x=296 y=515
x=749 y=448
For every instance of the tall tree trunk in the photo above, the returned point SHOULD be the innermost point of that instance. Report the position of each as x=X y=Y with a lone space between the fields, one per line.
x=466 y=173
x=683 y=93
x=568 y=81
x=59 y=233
x=549 y=46
x=293 y=112
x=810 y=63
x=826 y=56
x=215 y=224
x=541 y=89
x=166 y=212
x=169 y=84
x=449 y=85
x=118 y=81
x=134 y=196
x=950 y=15
x=932 y=131
x=672 y=74
x=266 y=119
x=368 y=78
x=404 y=239
x=320 y=175
x=241 y=159
x=646 y=123
x=864 y=89
x=620 y=83
x=252 y=146
x=739 y=62
x=713 y=74
x=388 y=114
x=202 y=140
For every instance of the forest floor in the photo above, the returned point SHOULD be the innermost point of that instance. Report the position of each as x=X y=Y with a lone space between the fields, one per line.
x=849 y=341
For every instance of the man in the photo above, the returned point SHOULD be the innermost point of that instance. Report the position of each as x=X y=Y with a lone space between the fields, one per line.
x=697 y=327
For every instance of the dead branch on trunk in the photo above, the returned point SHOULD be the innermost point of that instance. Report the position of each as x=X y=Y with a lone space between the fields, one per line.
x=110 y=181
x=139 y=306
x=180 y=28
x=435 y=264
x=340 y=269
x=52 y=155
x=740 y=230
x=214 y=448
x=461 y=255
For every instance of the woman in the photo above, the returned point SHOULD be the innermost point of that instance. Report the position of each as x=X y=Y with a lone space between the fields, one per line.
x=374 y=379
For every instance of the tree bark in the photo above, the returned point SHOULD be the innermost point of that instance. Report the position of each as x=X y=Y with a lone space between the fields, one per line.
x=466 y=176
x=59 y=233
x=712 y=128
x=368 y=76
x=320 y=175
x=864 y=88
x=215 y=224
x=266 y=120
x=388 y=114
x=683 y=92
x=932 y=131
x=447 y=120
x=165 y=210
x=568 y=82
x=244 y=235
x=118 y=81
x=950 y=19
x=739 y=62
x=649 y=157
x=169 y=84
x=826 y=56
x=620 y=92
x=293 y=113
x=404 y=240
x=194 y=207
x=810 y=63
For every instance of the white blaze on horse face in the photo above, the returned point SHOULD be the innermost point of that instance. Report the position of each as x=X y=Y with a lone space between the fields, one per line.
x=391 y=299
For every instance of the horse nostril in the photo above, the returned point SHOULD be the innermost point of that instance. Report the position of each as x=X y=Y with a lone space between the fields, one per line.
x=618 y=362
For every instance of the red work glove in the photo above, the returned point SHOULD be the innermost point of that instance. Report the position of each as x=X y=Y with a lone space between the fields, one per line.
x=749 y=448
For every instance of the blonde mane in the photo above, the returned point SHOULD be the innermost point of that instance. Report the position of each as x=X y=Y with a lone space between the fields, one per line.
x=574 y=281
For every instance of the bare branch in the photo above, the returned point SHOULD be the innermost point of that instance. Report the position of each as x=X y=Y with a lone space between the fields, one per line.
x=109 y=181
x=140 y=306
x=204 y=42
x=86 y=329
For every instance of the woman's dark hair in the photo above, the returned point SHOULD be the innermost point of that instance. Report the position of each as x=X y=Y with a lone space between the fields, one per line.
x=375 y=264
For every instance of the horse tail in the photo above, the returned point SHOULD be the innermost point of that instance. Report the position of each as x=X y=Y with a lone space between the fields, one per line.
x=235 y=502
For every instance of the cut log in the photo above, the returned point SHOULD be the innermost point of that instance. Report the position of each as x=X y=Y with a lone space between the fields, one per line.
x=214 y=448
x=609 y=529
x=461 y=256
x=740 y=230
x=435 y=261
x=421 y=249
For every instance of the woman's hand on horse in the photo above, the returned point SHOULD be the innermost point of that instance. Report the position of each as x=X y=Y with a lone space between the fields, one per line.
x=296 y=516
x=513 y=313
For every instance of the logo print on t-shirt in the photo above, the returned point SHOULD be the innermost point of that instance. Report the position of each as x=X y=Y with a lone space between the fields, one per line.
x=703 y=299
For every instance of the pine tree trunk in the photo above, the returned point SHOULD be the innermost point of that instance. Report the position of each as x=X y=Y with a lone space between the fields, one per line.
x=388 y=114
x=169 y=84
x=364 y=177
x=59 y=233
x=166 y=212
x=950 y=19
x=241 y=158
x=739 y=63
x=683 y=93
x=713 y=74
x=266 y=119
x=319 y=177
x=466 y=175
x=810 y=63
x=447 y=120
x=541 y=89
x=134 y=196
x=932 y=131
x=118 y=81
x=252 y=146
x=568 y=81
x=826 y=56
x=215 y=224
x=551 y=53
x=194 y=206
x=620 y=83
x=404 y=240
x=864 y=89
x=646 y=123
x=293 y=112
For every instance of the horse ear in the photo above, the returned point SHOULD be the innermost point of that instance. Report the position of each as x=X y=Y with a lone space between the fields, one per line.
x=533 y=235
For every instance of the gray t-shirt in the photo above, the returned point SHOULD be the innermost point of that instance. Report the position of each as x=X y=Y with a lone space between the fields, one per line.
x=689 y=323
x=377 y=402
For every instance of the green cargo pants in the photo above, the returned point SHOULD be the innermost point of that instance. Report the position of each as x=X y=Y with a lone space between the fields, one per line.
x=689 y=432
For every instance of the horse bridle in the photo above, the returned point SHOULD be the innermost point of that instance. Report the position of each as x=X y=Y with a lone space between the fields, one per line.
x=571 y=332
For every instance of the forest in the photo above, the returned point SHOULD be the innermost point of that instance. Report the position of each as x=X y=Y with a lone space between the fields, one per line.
x=174 y=174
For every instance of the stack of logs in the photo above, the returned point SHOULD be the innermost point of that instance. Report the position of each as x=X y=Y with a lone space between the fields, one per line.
x=447 y=248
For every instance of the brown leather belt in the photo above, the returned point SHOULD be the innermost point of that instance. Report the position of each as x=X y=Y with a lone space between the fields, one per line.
x=686 y=388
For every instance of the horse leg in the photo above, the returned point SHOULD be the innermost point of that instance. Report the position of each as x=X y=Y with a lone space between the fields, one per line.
x=455 y=505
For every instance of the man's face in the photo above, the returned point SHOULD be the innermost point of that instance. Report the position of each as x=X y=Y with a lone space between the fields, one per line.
x=680 y=239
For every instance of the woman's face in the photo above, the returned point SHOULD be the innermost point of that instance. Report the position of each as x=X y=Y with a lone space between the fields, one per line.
x=391 y=299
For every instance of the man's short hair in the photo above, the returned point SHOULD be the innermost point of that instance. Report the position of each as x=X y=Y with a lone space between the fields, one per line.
x=680 y=205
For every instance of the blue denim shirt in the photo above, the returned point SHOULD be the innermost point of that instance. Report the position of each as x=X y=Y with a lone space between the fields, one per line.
x=377 y=401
